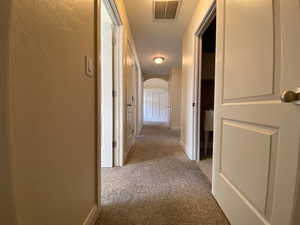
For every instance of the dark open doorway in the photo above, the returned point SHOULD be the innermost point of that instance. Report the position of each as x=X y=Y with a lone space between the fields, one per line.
x=207 y=93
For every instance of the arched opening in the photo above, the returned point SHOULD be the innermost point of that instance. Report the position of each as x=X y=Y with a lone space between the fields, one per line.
x=156 y=101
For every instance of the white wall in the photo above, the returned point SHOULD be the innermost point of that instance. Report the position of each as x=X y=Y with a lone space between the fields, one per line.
x=156 y=83
x=188 y=75
x=52 y=111
x=175 y=97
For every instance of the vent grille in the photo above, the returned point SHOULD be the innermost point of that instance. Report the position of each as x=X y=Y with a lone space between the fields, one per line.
x=167 y=9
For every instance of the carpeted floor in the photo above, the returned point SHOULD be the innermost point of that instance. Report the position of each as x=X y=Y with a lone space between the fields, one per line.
x=158 y=186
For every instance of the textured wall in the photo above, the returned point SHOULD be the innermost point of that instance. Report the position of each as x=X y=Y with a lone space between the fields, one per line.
x=7 y=211
x=188 y=75
x=52 y=110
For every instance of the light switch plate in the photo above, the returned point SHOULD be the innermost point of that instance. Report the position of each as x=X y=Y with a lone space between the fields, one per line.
x=89 y=66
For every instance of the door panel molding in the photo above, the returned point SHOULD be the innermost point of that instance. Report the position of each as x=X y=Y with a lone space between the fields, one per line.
x=244 y=109
x=274 y=56
x=254 y=162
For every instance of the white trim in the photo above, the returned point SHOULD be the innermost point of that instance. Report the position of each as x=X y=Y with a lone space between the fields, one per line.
x=113 y=11
x=92 y=217
x=107 y=87
x=175 y=128
x=208 y=18
x=119 y=98
x=184 y=147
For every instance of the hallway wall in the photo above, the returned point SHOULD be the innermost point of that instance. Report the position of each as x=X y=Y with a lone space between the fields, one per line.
x=52 y=109
x=175 y=98
x=127 y=36
x=7 y=210
x=188 y=76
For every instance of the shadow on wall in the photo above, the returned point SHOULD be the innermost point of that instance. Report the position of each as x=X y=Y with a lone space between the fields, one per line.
x=7 y=211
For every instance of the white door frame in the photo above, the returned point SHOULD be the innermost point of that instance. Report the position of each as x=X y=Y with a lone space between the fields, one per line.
x=209 y=16
x=117 y=87
x=118 y=71
x=107 y=80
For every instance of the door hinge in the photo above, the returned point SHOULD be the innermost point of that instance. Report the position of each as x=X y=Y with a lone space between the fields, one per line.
x=194 y=104
x=114 y=144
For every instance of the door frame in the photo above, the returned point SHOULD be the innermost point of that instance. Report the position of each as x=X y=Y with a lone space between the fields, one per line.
x=117 y=80
x=118 y=71
x=204 y=24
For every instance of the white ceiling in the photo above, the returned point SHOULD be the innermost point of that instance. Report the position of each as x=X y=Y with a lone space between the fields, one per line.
x=158 y=38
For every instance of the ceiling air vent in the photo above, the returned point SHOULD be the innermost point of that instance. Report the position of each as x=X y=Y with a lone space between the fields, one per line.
x=166 y=9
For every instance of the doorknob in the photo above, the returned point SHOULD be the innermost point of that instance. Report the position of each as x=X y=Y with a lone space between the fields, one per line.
x=289 y=96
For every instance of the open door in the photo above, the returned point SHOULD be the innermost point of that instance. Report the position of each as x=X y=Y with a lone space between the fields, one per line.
x=257 y=136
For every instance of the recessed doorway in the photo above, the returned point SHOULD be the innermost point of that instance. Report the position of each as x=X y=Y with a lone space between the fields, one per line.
x=156 y=101
x=205 y=93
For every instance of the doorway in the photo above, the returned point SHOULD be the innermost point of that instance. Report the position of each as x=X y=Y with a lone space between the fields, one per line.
x=156 y=101
x=110 y=109
x=205 y=93
x=207 y=98
x=107 y=83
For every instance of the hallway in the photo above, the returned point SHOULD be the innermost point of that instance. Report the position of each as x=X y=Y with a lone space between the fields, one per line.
x=158 y=186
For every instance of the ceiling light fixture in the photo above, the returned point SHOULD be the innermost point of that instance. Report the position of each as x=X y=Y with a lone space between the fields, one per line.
x=158 y=60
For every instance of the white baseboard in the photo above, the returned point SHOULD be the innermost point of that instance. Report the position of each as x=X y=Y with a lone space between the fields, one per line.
x=183 y=146
x=93 y=216
x=185 y=149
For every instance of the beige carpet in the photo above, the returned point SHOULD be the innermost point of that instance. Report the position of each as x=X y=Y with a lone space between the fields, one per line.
x=158 y=186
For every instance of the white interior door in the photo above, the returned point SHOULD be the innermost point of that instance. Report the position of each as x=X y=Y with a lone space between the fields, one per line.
x=131 y=100
x=156 y=105
x=256 y=149
x=106 y=90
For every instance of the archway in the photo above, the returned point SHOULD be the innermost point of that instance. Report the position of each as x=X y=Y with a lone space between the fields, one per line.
x=156 y=101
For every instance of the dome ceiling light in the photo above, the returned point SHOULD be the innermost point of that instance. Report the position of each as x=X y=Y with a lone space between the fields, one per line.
x=158 y=60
